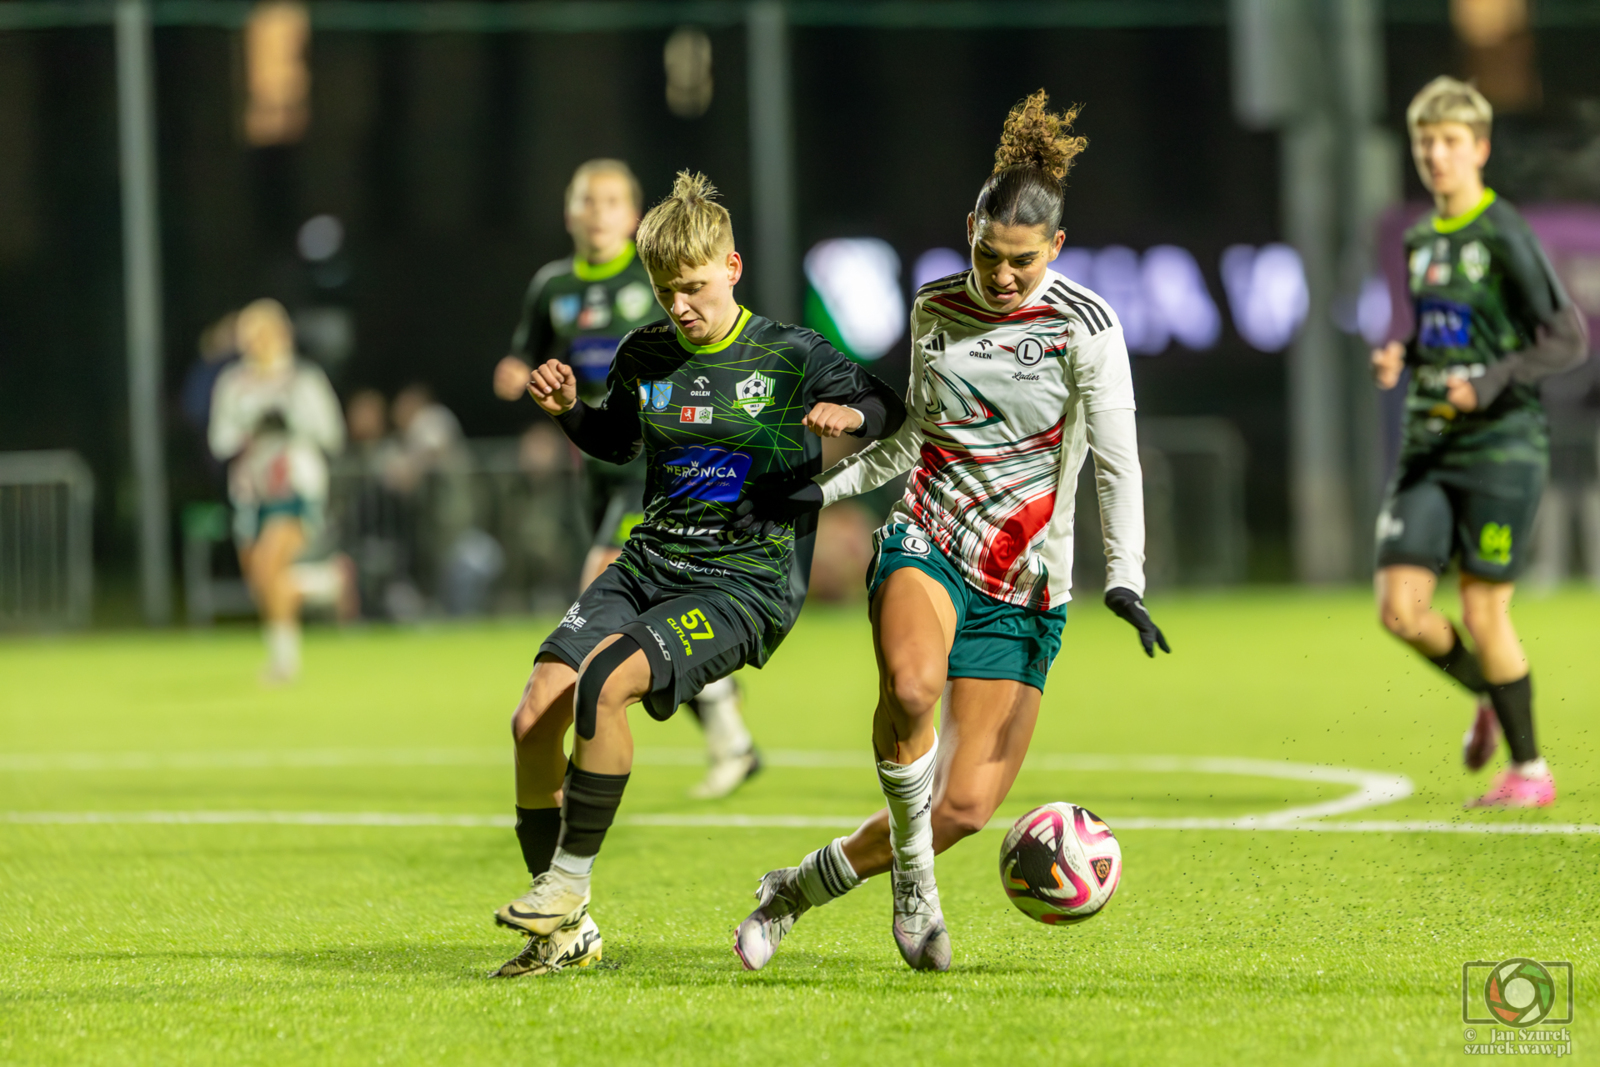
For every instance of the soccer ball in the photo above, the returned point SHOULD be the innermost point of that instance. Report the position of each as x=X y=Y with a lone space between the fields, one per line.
x=1060 y=864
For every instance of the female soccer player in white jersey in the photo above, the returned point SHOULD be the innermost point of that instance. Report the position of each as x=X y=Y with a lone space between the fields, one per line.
x=1016 y=372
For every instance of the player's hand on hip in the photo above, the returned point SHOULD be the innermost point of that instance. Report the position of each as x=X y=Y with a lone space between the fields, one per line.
x=554 y=387
x=511 y=378
x=1461 y=394
x=833 y=420
x=1126 y=603
x=1387 y=363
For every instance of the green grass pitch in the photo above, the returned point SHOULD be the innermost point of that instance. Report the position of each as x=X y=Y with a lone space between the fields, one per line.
x=266 y=943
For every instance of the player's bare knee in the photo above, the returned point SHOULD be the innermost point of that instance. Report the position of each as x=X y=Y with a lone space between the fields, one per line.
x=914 y=689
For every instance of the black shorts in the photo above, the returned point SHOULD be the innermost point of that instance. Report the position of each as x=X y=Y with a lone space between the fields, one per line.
x=615 y=500
x=1481 y=515
x=690 y=639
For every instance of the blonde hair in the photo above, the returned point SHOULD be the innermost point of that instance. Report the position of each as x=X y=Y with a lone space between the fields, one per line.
x=605 y=166
x=1447 y=99
x=689 y=228
x=1036 y=150
x=1033 y=137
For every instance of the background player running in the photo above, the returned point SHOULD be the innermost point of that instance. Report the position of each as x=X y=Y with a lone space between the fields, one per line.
x=576 y=310
x=1491 y=321
x=274 y=420
x=1016 y=372
x=721 y=400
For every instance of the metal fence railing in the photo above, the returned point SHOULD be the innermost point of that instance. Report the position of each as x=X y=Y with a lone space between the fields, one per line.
x=46 y=540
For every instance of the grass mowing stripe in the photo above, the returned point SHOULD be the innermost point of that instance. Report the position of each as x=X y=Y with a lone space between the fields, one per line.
x=747 y=822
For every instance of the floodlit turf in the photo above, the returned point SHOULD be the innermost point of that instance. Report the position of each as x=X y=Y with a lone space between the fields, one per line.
x=293 y=944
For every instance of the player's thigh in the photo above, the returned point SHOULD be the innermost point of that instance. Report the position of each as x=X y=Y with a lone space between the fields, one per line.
x=914 y=623
x=611 y=601
x=545 y=709
x=1495 y=508
x=691 y=641
x=986 y=728
x=1416 y=525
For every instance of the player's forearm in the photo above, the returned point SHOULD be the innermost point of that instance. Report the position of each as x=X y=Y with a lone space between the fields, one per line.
x=1119 y=484
x=1562 y=344
x=601 y=433
x=872 y=466
x=882 y=412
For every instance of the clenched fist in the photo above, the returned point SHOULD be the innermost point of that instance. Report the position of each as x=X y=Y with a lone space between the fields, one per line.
x=1462 y=394
x=833 y=420
x=554 y=387
x=1387 y=363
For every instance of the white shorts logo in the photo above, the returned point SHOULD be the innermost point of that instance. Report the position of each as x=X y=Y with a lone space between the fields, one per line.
x=914 y=545
x=652 y=632
x=572 y=620
x=1390 y=527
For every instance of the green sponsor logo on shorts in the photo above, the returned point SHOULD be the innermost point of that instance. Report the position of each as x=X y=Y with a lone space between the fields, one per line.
x=1494 y=543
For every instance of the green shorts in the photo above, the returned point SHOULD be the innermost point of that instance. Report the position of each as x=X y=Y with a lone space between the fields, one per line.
x=993 y=639
x=1481 y=514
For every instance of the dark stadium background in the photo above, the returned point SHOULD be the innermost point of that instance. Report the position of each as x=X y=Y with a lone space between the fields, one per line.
x=445 y=156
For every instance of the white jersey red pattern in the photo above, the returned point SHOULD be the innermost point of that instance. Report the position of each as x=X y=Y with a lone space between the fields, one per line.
x=999 y=419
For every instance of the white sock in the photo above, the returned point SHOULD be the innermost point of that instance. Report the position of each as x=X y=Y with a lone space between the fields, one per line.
x=826 y=874
x=283 y=647
x=1534 y=768
x=575 y=870
x=726 y=735
x=908 y=790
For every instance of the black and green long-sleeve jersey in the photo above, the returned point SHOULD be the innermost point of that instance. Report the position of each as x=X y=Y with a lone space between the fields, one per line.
x=578 y=312
x=1482 y=289
x=712 y=421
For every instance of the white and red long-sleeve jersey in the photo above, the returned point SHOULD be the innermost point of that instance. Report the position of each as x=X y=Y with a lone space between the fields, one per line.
x=1001 y=411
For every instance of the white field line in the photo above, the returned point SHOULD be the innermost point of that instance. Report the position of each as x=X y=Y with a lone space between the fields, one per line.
x=1372 y=789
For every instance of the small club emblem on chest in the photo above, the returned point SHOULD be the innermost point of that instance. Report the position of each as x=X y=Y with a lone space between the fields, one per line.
x=754 y=393
x=1030 y=350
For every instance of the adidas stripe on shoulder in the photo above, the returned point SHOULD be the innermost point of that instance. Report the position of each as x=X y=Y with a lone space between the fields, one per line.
x=1071 y=301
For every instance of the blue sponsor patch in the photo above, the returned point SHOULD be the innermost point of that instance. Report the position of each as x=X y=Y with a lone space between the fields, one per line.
x=564 y=308
x=705 y=472
x=1442 y=323
x=591 y=357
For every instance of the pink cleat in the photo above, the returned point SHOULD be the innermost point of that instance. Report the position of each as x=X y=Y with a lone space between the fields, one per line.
x=1479 y=744
x=1512 y=790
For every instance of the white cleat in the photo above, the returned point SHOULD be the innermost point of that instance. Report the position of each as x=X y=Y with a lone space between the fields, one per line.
x=756 y=940
x=578 y=945
x=919 y=928
x=549 y=905
x=727 y=774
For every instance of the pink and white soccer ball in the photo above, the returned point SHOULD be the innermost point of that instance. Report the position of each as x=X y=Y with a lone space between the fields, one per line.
x=1060 y=864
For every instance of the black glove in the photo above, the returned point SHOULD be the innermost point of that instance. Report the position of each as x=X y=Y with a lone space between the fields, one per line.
x=1126 y=603
x=770 y=504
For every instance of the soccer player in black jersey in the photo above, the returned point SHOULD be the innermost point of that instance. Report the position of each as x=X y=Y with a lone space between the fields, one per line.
x=722 y=402
x=576 y=310
x=1491 y=320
